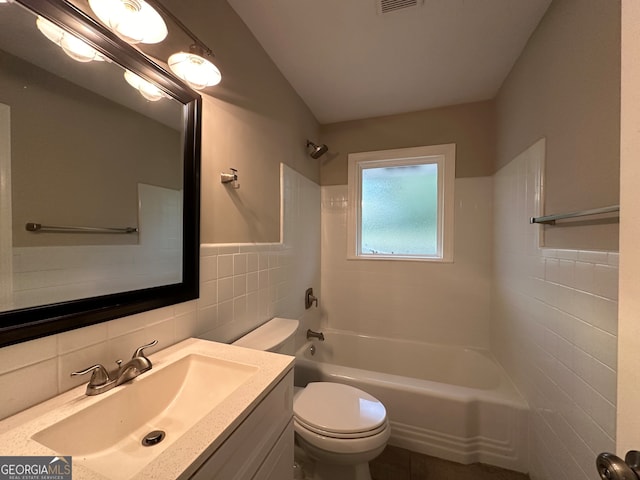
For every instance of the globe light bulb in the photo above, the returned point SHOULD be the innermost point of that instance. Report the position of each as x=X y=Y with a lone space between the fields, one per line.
x=135 y=21
x=195 y=70
x=147 y=89
x=77 y=49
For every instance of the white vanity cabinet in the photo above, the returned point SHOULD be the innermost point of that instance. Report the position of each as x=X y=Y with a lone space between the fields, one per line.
x=261 y=447
x=226 y=411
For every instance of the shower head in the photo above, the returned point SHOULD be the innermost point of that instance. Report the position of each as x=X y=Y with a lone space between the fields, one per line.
x=318 y=150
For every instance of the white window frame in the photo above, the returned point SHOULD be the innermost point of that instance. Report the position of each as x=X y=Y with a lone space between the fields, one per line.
x=444 y=156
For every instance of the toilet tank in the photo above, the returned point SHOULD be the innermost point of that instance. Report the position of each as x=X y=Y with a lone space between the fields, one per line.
x=277 y=335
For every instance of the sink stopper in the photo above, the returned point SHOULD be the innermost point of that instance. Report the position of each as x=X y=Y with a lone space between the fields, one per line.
x=153 y=438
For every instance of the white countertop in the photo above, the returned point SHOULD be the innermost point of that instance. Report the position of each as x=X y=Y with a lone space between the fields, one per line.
x=181 y=458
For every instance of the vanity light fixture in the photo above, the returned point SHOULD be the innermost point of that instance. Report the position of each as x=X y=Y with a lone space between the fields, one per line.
x=147 y=89
x=194 y=69
x=139 y=21
x=72 y=45
x=135 y=21
x=192 y=66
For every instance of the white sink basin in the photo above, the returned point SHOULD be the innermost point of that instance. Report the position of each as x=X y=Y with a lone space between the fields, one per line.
x=172 y=400
x=197 y=393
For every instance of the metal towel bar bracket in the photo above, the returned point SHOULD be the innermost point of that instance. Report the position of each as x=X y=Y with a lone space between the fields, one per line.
x=551 y=219
x=38 y=227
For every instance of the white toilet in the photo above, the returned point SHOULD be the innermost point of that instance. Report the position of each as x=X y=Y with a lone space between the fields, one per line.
x=340 y=427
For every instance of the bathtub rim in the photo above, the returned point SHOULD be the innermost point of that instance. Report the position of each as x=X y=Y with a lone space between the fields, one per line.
x=506 y=393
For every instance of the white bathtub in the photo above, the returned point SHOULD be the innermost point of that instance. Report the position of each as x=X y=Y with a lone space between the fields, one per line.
x=449 y=402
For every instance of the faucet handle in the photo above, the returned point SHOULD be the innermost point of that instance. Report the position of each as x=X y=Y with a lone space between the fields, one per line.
x=99 y=375
x=309 y=299
x=139 y=350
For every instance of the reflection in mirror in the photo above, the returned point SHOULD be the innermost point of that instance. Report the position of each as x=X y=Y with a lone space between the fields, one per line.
x=92 y=153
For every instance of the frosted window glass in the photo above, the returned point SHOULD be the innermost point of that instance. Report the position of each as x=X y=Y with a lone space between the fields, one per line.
x=400 y=210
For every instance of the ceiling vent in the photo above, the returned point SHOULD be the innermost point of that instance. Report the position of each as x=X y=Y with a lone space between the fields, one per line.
x=387 y=6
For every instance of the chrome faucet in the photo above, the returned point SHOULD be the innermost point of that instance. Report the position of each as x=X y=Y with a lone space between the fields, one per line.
x=312 y=334
x=102 y=380
x=134 y=367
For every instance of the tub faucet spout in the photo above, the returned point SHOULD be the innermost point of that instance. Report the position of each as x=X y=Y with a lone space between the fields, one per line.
x=312 y=334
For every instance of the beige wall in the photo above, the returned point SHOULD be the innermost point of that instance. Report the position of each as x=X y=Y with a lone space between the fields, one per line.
x=470 y=126
x=77 y=157
x=566 y=87
x=252 y=121
x=628 y=393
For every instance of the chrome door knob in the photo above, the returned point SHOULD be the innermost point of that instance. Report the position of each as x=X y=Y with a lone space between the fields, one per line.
x=612 y=467
x=632 y=458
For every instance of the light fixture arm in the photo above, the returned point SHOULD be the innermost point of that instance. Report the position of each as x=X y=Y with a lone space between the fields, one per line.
x=199 y=43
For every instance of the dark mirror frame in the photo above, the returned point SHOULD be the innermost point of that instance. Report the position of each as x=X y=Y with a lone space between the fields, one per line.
x=34 y=322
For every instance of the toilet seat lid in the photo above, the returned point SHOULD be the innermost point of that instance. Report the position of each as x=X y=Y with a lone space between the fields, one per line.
x=337 y=408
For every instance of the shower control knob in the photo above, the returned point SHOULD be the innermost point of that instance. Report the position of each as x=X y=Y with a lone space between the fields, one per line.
x=612 y=467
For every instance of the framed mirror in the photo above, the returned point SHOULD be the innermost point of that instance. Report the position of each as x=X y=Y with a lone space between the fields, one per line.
x=99 y=182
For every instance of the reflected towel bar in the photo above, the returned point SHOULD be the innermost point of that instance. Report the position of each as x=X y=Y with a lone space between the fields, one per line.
x=38 y=227
x=551 y=219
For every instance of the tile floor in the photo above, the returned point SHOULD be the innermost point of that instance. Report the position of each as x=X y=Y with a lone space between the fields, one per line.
x=399 y=464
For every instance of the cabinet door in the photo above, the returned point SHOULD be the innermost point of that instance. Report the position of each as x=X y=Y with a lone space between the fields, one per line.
x=244 y=451
x=279 y=463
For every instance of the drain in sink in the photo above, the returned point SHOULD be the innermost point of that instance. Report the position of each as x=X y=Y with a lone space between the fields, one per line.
x=153 y=438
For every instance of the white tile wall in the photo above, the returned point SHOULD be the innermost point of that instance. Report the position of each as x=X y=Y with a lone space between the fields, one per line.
x=554 y=329
x=444 y=303
x=241 y=286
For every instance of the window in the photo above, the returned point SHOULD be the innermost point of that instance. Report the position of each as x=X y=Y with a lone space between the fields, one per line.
x=401 y=204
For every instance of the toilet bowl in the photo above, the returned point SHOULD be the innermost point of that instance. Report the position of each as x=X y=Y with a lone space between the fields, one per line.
x=339 y=428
